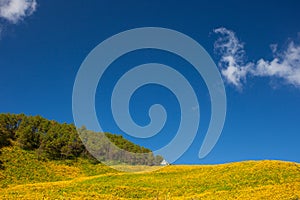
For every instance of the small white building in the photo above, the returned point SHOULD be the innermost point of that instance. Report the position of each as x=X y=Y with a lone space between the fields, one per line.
x=164 y=163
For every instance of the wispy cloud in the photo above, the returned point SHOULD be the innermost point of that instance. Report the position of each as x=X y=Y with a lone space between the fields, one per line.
x=285 y=64
x=232 y=61
x=16 y=10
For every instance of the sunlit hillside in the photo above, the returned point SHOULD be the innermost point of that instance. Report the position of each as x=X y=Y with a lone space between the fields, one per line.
x=24 y=177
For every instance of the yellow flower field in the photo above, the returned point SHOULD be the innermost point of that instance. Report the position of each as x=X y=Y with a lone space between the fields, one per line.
x=79 y=180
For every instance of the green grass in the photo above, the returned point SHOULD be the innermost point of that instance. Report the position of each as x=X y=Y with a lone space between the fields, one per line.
x=22 y=167
x=33 y=179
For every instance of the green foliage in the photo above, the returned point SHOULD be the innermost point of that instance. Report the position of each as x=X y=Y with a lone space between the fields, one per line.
x=158 y=159
x=61 y=142
x=55 y=141
x=125 y=144
x=114 y=149
x=8 y=125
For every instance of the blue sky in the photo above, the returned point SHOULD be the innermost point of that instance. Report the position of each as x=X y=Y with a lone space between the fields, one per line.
x=43 y=43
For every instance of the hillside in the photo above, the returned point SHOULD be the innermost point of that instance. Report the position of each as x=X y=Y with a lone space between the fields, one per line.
x=25 y=177
x=49 y=139
x=43 y=159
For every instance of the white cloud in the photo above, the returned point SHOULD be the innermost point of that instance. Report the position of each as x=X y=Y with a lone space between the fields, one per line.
x=285 y=64
x=16 y=10
x=232 y=59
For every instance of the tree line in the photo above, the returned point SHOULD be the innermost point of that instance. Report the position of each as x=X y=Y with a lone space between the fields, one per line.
x=59 y=141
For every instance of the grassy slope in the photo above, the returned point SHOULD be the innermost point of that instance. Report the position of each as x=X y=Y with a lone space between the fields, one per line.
x=22 y=167
x=54 y=180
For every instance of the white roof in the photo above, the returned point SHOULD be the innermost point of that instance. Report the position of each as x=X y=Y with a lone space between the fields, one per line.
x=164 y=162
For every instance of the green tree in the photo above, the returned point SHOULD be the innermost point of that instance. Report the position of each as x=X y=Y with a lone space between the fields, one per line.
x=53 y=140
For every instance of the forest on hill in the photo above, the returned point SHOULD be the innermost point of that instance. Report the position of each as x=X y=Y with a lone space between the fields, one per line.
x=60 y=141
